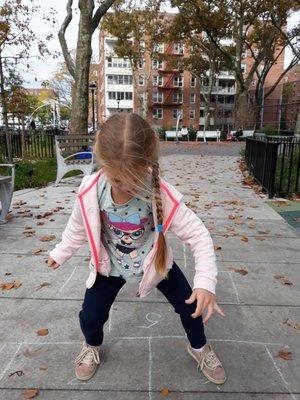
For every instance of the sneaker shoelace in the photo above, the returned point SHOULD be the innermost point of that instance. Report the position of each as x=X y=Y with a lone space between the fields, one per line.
x=210 y=359
x=88 y=355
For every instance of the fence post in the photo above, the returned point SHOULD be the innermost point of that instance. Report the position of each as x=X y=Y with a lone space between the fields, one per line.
x=273 y=162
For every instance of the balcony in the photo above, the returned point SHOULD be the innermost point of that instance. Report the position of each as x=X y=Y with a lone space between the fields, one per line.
x=220 y=90
x=165 y=104
x=122 y=103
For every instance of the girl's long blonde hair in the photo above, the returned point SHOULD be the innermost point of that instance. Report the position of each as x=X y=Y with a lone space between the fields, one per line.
x=127 y=147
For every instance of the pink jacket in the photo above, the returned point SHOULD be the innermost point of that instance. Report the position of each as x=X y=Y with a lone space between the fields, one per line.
x=85 y=222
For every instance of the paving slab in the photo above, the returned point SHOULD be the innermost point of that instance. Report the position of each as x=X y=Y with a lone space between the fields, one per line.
x=145 y=346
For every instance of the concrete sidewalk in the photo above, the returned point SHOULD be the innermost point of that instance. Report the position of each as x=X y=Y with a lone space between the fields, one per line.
x=145 y=346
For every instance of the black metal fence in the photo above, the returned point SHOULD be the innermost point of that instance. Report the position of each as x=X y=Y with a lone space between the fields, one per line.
x=275 y=163
x=37 y=145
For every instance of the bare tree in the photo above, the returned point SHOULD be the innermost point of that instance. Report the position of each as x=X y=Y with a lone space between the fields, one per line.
x=79 y=66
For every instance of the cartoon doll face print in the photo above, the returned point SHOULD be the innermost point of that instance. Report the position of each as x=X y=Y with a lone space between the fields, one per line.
x=127 y=235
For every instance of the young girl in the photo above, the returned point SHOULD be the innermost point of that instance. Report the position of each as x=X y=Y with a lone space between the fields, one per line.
x=125 y=211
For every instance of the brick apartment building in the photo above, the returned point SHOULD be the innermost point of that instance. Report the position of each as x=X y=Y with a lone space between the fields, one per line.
x=169 y=91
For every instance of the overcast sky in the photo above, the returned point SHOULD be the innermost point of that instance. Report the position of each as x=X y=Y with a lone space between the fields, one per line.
x=42 y=69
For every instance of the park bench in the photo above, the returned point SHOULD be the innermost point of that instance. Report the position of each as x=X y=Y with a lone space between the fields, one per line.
x=74 y=152
x=172 y=135
x=6 y=191
x=246 y=133
x=209 y=135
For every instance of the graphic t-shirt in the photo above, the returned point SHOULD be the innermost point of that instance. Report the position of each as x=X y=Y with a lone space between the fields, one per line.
x=127 y=234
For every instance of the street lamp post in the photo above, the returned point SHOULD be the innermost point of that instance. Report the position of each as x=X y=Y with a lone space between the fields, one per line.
x=93 y=88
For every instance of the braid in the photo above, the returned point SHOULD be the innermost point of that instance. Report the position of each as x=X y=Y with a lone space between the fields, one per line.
x=161 y=253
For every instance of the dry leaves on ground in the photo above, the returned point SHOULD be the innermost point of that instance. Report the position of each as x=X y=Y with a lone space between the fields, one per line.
x=241 y=271
x=29 y=232
x=30 y=393
x=216 y=247
x=285 y=355
x=38 y=251
x=165 y=392
x=244 y=239
x=43 y=332
x=10 y=285
x=44 y=284
x=45 y=215
x=47 y=238
x=283 y=280
x=292 y=324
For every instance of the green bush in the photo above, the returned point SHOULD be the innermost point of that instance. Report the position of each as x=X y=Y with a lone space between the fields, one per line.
x=192 y=133
x=161 y=132
x=37 y=173
x=270 y=130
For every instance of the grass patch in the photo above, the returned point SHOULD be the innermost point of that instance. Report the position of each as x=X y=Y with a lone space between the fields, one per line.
x=287 y=164
x=36 y=173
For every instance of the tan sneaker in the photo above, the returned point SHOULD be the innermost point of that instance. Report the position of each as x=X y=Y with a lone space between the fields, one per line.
x=209 y=364
x=87 y=362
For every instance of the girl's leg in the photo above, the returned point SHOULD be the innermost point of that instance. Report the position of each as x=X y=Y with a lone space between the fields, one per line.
x=176 y=289
x=95 y=309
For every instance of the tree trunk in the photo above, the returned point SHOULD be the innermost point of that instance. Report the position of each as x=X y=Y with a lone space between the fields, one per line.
x=80 y=103
x=244 y=113
x=4 y=113
x=297 y=126
x=23 y=137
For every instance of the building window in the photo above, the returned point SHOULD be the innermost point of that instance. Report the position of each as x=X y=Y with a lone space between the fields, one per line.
x=177 y=97
x=120 y=95
x=141 y=80
x=201 y=113
x=142 y=96
x=142 y=45
x=157 y=64
x=157 y=113
x=118 y=62
x=157 y=80
x=178 y=81
x=193 y=81
x=193 y=97
x=119 y=79
x=178 y=48
x=158 y=97
x=141 y=64
x=158 y=47
x=177 y=112
x=243 y=68
x=192 y=114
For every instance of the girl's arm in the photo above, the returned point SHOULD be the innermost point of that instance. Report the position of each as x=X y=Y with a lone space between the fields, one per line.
x=73 y=236
x=192 y=231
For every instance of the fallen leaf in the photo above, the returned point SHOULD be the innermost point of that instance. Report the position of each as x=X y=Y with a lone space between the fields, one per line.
x=43 y=332
x=30 y=393
x=38 y=251
x=44 y=284
x=251 y=225
x=10 y=285
x=241 y=271
x=216 y=247
x=244 y=239
x=283 y=280
x=285 y=355
x=295 y=325
x=45 y=215
x=165 y=392
x=47 y=238
x=39 y=223
x=43 y=368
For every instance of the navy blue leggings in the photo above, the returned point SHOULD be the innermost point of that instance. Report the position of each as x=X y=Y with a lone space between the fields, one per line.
x=100 y=297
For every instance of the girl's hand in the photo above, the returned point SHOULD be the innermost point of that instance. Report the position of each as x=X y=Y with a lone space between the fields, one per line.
x=205 y=300
x=51 y=263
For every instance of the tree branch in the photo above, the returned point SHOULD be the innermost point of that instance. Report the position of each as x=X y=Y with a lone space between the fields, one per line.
x=292 y=63
x=100 y=12
x=62 y=39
